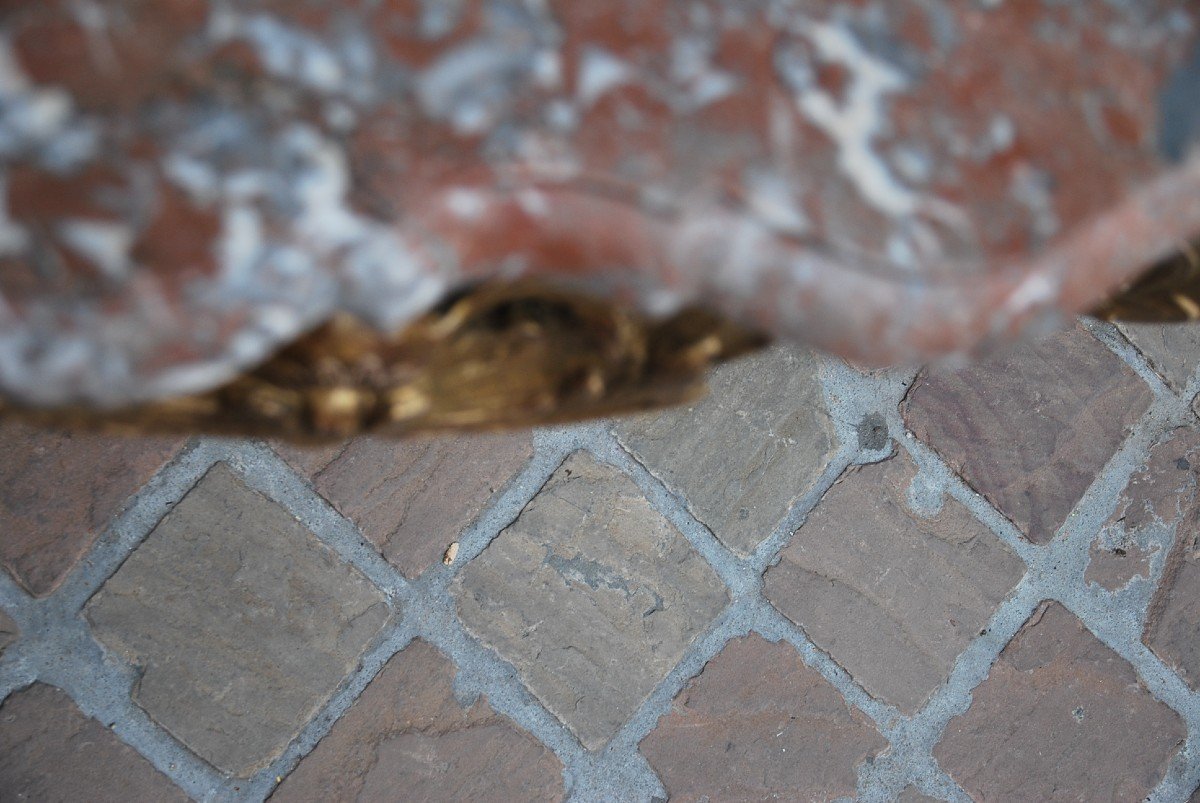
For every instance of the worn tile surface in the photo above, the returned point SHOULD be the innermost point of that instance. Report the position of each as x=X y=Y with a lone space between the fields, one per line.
x=757 y=724
x=591 y=594
x=1060 y=717
x=1031 y=428
x=743 y=454
x=59 y=490
x=50 y=751
x=409 y=737
x=412 y=498
x=1174 y=619
x=1158 y=504
x=893 y=595
x=1172 y=349
x=239 y=621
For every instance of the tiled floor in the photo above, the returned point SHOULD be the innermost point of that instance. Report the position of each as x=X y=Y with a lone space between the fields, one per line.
x=817 y=584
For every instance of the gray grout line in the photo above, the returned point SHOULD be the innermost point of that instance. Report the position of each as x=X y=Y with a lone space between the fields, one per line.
x=972 y=666
x=931 y=780
x=774 y=626
x=609 y=775
x=55 y=645
x=392 y=639
x=616 y=778
x=912 y=737
x=483 y=671
x=735 y=621
x=938 y=480
x=1114 y=341
x=103 y=689
x=269 y=474
x=551 y=448
x=1182 y=775
x=147 y=507
x=58 y=650
x=732 y=570
x=767 y=552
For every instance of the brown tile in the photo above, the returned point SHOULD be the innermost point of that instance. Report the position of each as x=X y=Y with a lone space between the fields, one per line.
x=1031 y=429
x=1174 y=617
x=408 y=737
x=742 y=455
x=757 y=724
x=49 y=751
x=1172 y=349
x=412 y=497
x=1060 y=717
x=591 y=594
x=240 y=622
x=59 y=490
x=893 y=596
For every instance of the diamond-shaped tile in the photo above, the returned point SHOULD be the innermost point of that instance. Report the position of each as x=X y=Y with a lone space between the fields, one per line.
x=1060 y=717
x=758 y=724
x=50 y=751
x=1031 y=429
x=407 y=737
x=743 y=454
x=59 y=490
x=894 y=596
x=240 y=622
x=591 y=594
x=413 y=497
